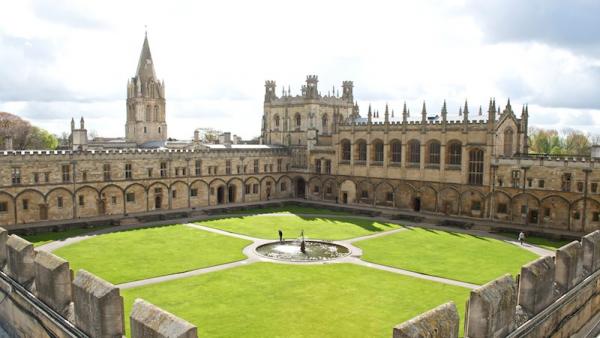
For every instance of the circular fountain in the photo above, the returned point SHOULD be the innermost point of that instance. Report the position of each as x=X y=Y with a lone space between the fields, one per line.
x=302 y=250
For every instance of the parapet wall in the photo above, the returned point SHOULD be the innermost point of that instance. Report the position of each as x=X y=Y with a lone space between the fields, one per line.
x=552 y=297
x=40 y=298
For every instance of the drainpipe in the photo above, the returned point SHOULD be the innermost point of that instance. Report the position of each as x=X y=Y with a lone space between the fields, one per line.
x=527 y=200
x=587 y=172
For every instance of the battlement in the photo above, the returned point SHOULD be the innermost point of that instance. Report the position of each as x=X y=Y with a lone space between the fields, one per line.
x=312 y=78
x=43 y=297
x=553 y=296
x=68 y=154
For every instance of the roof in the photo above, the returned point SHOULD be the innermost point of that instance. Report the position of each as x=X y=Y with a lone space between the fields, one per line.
x=145 y=68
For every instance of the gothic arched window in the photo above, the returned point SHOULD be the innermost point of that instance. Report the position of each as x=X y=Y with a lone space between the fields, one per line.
x=324 y=122
x=377 y=149
x=396 y=151
x=361 y=151
x=476 y=167
x=346 y=150
x=156 y=113
x=277 y=121
x=508 y=142
x=434 y=152
x=298 y=120
x=454 y=153
x=148 y=112
x=414 y=152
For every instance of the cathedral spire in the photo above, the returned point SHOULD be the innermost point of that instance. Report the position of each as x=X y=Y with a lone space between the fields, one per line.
x=145 y=68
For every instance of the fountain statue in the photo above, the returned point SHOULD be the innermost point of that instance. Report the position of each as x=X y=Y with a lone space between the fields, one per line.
x=302 y=244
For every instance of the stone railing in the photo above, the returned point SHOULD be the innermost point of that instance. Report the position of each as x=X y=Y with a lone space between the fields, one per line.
x=42 y=299
x=552 y=297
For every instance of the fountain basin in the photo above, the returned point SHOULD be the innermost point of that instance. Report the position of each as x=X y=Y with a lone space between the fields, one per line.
x=314 y=251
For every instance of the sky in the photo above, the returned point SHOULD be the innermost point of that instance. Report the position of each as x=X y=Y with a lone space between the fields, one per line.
x=71 y=58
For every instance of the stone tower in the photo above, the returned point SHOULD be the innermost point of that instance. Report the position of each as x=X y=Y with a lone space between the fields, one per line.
x=146 y=104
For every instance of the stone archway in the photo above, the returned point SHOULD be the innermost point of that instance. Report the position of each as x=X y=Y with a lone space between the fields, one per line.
x=221 y=194
x=231 y=192
x=348 y=192
x=300 y=187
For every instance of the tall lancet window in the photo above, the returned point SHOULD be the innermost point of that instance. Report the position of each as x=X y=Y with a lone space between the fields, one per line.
x=508 y=142
x=156 y=113
x=324 y=122
x=148 y=113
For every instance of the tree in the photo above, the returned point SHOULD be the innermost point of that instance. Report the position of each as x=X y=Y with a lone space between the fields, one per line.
x=568 y=142
x=577 y=143
x=24 y=135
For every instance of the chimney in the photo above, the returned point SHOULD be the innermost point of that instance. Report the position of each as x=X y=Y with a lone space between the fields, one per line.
x=8 y=143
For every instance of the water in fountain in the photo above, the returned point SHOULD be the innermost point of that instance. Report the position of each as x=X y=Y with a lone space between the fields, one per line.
x=302 y=249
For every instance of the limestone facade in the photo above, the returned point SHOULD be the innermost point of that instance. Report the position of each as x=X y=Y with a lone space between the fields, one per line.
x=314 y=146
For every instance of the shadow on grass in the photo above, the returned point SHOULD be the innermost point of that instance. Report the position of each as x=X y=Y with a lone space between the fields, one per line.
x=365 y=222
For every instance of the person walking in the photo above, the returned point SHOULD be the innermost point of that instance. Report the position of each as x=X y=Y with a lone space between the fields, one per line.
x=521 y=237
x=280 y=235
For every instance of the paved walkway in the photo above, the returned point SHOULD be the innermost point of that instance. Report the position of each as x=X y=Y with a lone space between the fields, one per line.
x=252 y=256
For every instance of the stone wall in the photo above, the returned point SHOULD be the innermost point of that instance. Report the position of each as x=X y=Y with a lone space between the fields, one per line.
x=41 y=299
x=552 y=297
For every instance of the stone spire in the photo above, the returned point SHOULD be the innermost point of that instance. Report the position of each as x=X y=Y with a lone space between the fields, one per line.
x=424 y=113
x=480 y=111
x=404 y=113
x=369 y=115
x=508 y=106
x=81 y=123
x=466 y=112
x=145 y=68
x=72 y=124
x=386 y=115
x=444 y=111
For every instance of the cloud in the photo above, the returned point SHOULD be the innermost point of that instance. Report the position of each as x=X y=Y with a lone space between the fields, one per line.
x=66 y=12
x=556 y=22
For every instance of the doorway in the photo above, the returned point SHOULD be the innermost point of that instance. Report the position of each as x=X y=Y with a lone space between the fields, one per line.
x=417 y=204
x=300 y=187
x=158 y=202
x=533 y=216
x=345 y=197
x=231 y=194
x=221 y=195
x=43 y=212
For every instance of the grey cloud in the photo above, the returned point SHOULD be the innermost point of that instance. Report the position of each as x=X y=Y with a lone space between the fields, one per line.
x=67 y=13
x=571 y=24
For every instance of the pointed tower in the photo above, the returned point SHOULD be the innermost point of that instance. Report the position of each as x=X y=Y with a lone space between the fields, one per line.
x=386 y=115
x=146 y=118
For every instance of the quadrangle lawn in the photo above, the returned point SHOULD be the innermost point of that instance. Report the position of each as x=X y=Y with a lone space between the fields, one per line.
x=279 y=300
x=291 y=209
x=446 y=254
x=47 y=237
x=131 y=255
x=329 y=228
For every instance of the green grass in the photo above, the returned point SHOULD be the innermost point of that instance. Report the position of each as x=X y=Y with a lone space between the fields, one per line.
x=330 y=228
x=279 y=300
x=546 y=243
x=291 y=209
x=542 y=242
x=126 y=256
x=48 y=237
x=451 y=255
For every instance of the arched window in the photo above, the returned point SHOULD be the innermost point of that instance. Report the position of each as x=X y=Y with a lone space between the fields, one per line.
x=434 y=152
x=148 y=113
x=361 y=146
x=414 y=152
x=508 y=142
x=298 y=120
x=276 y=121
x=159 y=130
x=346 y=150
x=324 y=122
x=396 y=151
x=476 y=167
x=377 y=151
x=454 y=153
x=156 y=113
